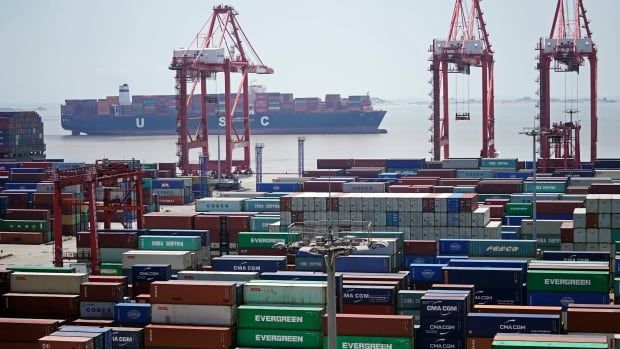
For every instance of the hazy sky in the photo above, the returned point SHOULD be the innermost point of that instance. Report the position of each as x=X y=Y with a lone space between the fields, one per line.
x=58 y=49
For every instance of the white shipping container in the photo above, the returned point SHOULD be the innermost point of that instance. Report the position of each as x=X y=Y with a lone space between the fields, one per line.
x=298 y=180
x=464 y=233
x=604 y=220
x=592 y=236
x=579 y=217
x=615 y=220
x=612 y=174
x=191 y=314
x=428 y=219
x=592 y=203
x=580 y=246
x=605 y=247
x=604 y=203
x=615 y=203
x=178 y=260
x=566 y=246
x=363 y=187
x=63 y=283
x=240 y=194
x=579 y=235
x=604 y=236
x=465 y=220
x=219 y=204
x=588 y=181
x=493 y=230
x=480 y=217
x=592 y=247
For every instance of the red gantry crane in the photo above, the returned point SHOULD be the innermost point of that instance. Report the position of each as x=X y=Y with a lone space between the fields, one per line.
x=568 y=46
x=222 y=48
x=467 y=45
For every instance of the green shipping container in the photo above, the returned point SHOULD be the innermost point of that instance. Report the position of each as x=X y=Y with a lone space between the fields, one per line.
x=41 y=269
x=567 y=281
x=519 y=209
x=498 y=163
x=502 y=248
x=112 y=255
x=617 y=288
x=112 y=269
x=169 y=243
x=147 y=183
x=264 y=240
x=284 y=318
x=544 y=187
x=278 y=339
x=542 y=345
x=371 y=342
x=261 y=223
x=26 y=226
x=408 y=299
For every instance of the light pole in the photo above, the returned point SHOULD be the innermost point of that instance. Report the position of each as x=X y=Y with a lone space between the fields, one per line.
x=330 y=246
x=533 y=132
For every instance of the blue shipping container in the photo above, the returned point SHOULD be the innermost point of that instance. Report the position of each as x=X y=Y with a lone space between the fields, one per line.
x=582 y=256
x=511 y=175
x=363 y=264
x=514 y=220
x=127 y=338
x=487 y=325
x=485 y=277
x=405 y=163
x=440 y=342
x=426 y=272
x=436 y=306
x=499 y=296
x=106 y=331
x=364 y=294
x=241 y=263
x=510 y=235
x=20 y=186
x=132 y=313
x=453 y=247
x=278 y=187
x=489 y=263
x=442 y=327
x=168 y=183
x=409 y=259
x=565 y=298
x=97 y=310
x=151 y=272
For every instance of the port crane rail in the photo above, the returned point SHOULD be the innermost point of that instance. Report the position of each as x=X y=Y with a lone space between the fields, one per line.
x=222 y=48
x=104 y=174
x=568 y=46
x=466 y=46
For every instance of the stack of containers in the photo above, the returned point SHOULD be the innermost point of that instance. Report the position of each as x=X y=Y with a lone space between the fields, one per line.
x=99 y=298
x=483 y=327
x=371 y=331
x=598 y=224
x=409 y=166
x=297 y=305
x=26 y=226
x=418 y=216
x=549 y=233
x=496 y=281
x=23 y=135
x=563 y=283
x=46 y=295
x=112 y=245
x=443 y=319
x=223 y=228
x=101 y=337
x=173 y=191
x=419 y=251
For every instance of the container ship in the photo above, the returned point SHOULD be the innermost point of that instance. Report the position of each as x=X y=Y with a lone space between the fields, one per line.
x=270 y=113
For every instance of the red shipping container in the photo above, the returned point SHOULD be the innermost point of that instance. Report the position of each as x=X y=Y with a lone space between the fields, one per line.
x=479 y=343
x=459 y=182
x=118 y=240
x=402 y=278
x=62 y=342
x=102 y=291
x=502 y=186
x=368 y=163
x=333 y=163
x=391 y=189
x=17 y=200
x=428 y=204
x=443 y=189
x=502 y=202
x=420 y=189
x=143 y=298
x=323 y=186
x=172 y=200
x=22 y=238
x=591 y=220
x=193 y=292
x=418 y=180
x=261 y=252
x=189 y=337
x=5 y=277
x=420 y=247
x=371 y=309
x=567 y=232
x=21 y=214
x=577 y=190
x=497 y=211
x=442 y=173
x=169 y=220
x=26 y=330
x=36 y=164
x=372 y=325
x=557 y=206
x=42 y=305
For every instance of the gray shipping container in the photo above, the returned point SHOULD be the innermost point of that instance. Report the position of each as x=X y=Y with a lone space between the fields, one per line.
x=178 y=260
x=63 y=283
x=460 y=163
x=284 y=293
x=363 y=187
x=97 y=310
x=184 y=314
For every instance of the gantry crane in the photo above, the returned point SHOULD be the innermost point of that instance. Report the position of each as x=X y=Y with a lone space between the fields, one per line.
x=467 y=45
x=104 y=174
x=569 y=44
x=223 y=48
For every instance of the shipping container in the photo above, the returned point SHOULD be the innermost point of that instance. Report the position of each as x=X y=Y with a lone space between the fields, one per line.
x=285 y=318
x=290 y=293
x=65 y=283
x=487 y=325
x=371 y=342
x=193 y=292
x=193 y=314
x=263 y=338
x=198 y=337
x=132 y=313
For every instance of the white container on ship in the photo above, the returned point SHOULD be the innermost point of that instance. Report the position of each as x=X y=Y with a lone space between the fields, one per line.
x=190 y=314
x=63 y=283
x=178 y=260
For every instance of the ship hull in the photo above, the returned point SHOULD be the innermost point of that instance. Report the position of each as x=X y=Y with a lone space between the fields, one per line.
x=348 y=122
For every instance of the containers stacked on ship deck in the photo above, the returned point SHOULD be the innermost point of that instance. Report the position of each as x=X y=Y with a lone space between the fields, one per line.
x=419 y=216
x=282 y=314
x=443 y=318
x=22 y=135
x=598 y=224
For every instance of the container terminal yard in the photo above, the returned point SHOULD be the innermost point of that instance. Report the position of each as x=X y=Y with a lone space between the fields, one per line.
x=485 y=252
